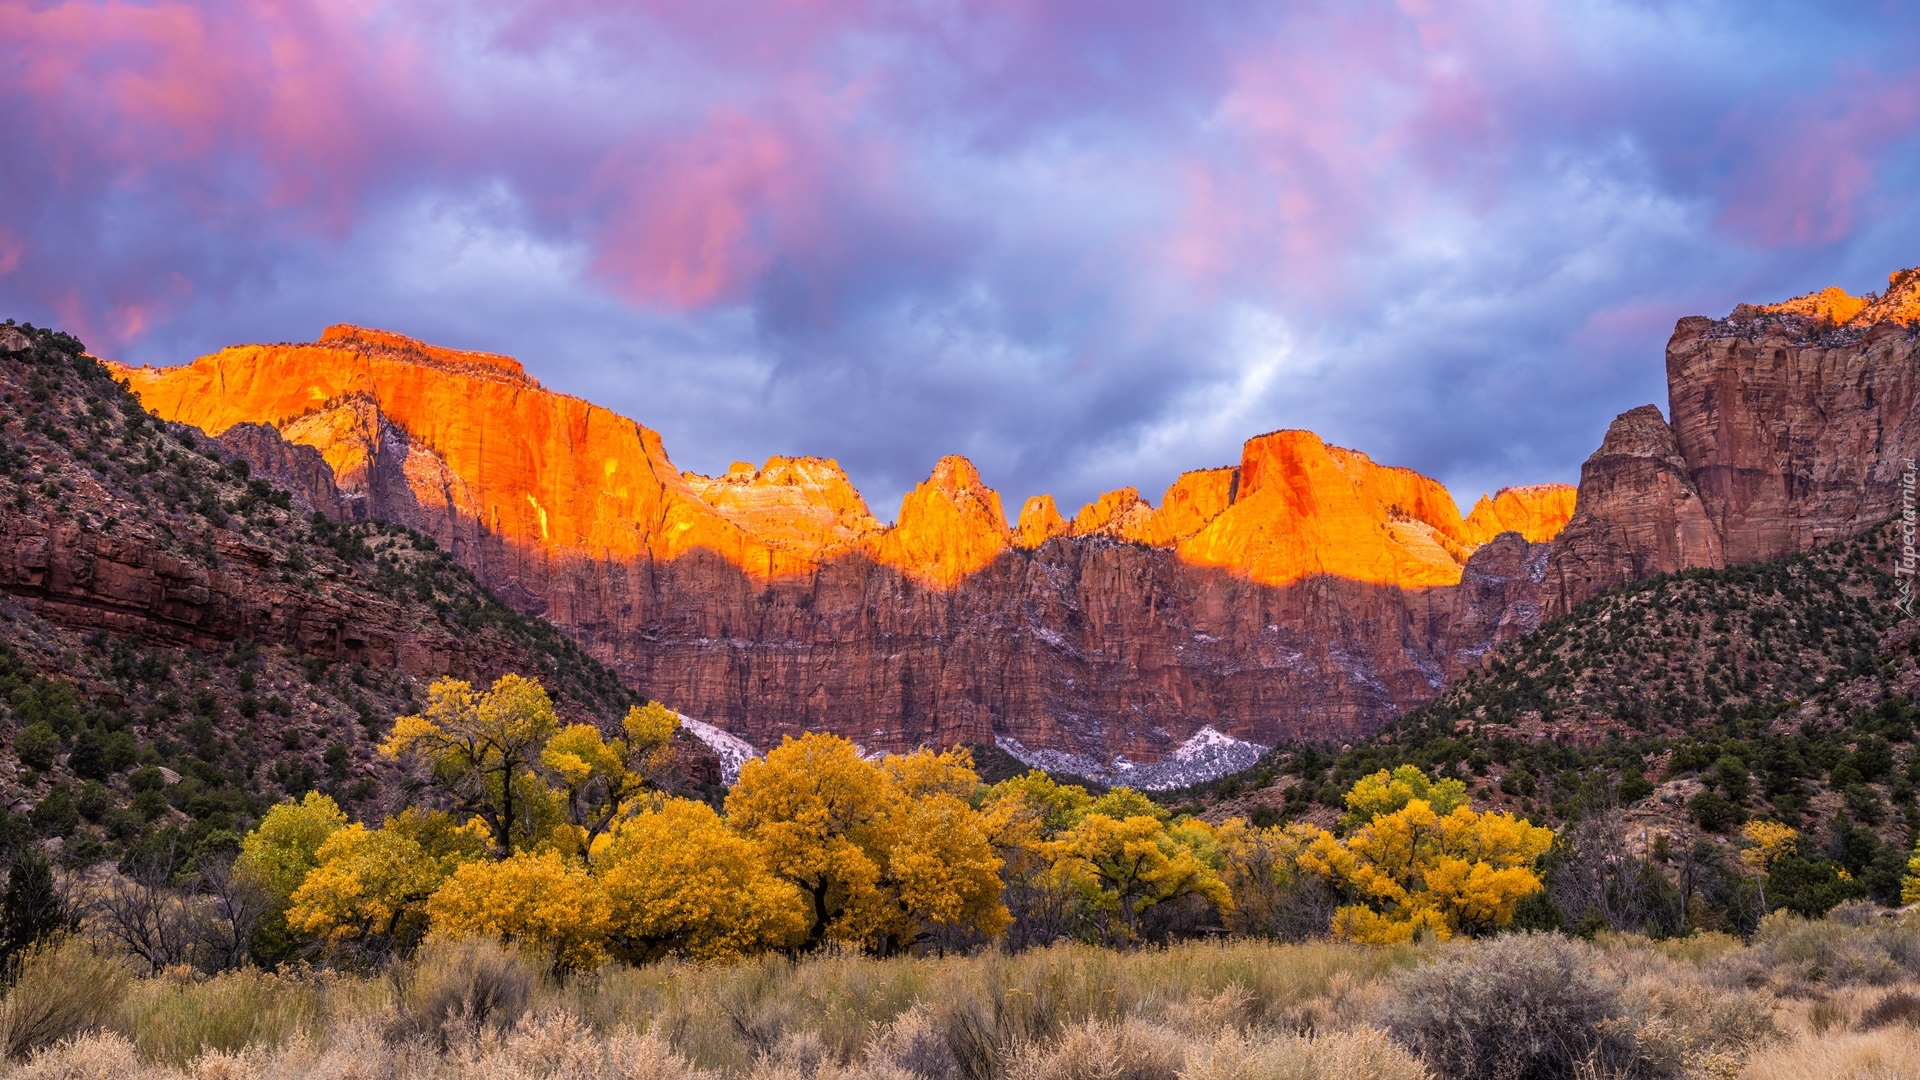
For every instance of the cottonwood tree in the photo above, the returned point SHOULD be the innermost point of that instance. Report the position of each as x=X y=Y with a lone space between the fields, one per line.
x=481 y=747
x=600 y=778
x=1413 y=870
x=877 y=865
x=679 y=881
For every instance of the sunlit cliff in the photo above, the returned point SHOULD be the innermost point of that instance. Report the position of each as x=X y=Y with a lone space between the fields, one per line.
x=475 y=438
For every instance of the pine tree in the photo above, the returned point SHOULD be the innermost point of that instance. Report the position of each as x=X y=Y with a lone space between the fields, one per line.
x=32 y=908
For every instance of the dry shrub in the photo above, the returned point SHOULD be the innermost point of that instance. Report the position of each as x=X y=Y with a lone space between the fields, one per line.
x=1678 y=1027
x=1827 y=1015
x=1887 y=1054
x=458 y=990
x=914 y=1043
x=1360 y=1054
x=1899 y=1007
x=1788 y=949
x=1519 y=1007
x=60 y=989
x=1102 y=1050
x=552 y=1046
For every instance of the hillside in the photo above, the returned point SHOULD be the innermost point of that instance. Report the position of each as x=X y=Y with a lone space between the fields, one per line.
x=183 y=643
x=1690 y=701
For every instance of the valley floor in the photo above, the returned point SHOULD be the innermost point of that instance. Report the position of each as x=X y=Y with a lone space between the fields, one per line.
x=1839 y=997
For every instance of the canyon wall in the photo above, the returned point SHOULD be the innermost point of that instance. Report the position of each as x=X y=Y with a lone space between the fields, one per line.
x=1305 y=591
x=1302 y=592
x=1790 y=424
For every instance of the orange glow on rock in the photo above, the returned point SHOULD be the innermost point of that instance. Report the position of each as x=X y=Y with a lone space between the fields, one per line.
x=547 y=472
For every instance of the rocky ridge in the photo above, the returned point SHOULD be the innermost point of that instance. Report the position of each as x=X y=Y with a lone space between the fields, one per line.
x=1305 y=591
x=1789 y=425
x=183 y=641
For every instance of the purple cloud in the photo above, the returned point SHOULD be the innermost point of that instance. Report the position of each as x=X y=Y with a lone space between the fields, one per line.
x=1089 y=243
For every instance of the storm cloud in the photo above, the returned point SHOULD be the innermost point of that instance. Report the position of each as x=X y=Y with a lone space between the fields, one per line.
x=1089 y=243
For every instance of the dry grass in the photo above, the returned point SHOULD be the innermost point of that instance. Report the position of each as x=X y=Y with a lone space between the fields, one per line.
x=59 y=990
x=1886 y=1054
x=1802 y=1000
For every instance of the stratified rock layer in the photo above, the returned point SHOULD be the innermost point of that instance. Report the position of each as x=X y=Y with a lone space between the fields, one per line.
x=1305 y=592
x=1790 y=426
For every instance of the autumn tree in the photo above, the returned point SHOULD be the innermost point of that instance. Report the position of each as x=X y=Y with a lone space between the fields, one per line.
x=369 y=888
x=1766 y=842
x=1023 y=816
x=482 y=748
x=941 y=870
x=876 y=864
x=1411 y=870
x=280 y=852
x=538 y=900
x=1125 y=866
x=1272 y=896
x=678 y=881
x=1386 y=792
x=599 y=778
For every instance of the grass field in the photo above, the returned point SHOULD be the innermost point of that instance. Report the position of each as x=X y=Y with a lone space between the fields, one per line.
x=1834 y=998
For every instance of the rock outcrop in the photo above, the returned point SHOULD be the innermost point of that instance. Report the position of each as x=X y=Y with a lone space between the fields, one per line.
x=1304 y=592
x=1790 y=425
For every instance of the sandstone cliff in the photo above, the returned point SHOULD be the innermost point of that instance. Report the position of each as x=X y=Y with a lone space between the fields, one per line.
x=1304 y=592
x=1789 y=426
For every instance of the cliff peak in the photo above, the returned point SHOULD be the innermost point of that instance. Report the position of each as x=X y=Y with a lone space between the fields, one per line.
x=950 y=526
x=1834 y=308
x=1040 y=521
x=803 y=505
x=400 y=346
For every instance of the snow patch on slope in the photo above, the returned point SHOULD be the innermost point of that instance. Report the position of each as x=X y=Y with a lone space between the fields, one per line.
x=732 y=750
x=1208 y=754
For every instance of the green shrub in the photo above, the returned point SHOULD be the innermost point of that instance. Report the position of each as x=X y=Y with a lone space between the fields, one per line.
x=37 y=744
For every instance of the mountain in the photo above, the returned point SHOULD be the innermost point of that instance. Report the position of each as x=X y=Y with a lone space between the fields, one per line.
x=1790 y=425
x=182 y=641
x=1726 y=636
x=1305 y=591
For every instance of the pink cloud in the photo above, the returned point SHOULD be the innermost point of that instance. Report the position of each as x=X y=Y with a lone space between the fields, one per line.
x=1806 y=168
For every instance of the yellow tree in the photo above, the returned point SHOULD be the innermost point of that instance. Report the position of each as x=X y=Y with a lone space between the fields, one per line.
x=885 y=854
x=1766 y=842
x=600 y=778
x=1260 y=869
x=824 y=817
x=678 y=881
x=1125 y=866
x=1910 y=885
x=370 y=886
x=532 y=899
x=1411 y=869
x=1386 y=792
x=1023 y=816
x=941 y=871
x=481 y=749
x=283 y=849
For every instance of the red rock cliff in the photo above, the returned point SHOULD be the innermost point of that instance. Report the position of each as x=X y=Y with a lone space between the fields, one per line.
x=1789 y=426
x=1306 y=591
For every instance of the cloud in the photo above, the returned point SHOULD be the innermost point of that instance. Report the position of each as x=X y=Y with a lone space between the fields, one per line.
x=1089 y=242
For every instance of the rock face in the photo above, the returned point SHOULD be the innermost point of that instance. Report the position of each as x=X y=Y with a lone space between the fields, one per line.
x=1304 y=592
x=1790 y=426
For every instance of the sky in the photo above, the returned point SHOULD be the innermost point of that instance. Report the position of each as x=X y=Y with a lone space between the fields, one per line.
x=1087 y=243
